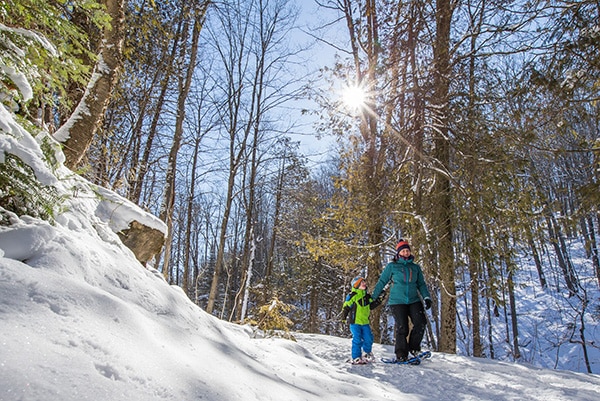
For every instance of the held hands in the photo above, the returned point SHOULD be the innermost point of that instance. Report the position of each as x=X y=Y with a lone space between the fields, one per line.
x=381 y=296
x=427 y=303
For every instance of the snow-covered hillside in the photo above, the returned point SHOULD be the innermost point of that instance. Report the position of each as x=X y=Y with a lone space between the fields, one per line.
x=82 y=319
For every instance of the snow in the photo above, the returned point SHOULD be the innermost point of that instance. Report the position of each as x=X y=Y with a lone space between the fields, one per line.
x=16 y=53
x=19 y=79
x=82 y=319
x=16 y=140
x=62 y=134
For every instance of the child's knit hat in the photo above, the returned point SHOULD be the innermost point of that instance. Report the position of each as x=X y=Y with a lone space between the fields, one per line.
x=356 y=281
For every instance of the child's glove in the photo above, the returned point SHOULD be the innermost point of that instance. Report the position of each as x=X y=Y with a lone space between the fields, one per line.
x=345 y=311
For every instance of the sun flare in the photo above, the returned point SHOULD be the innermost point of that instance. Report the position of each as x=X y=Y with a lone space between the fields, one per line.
x=354 y=97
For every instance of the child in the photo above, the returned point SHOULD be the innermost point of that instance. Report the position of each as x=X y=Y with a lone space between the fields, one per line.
x=357 y=309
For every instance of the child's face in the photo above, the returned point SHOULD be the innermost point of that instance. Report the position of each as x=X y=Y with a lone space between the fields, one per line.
x=363 y=284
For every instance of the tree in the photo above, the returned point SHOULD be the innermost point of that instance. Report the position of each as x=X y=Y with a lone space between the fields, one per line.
x=160 y=61
x=313 y=274
x=249 y=39
x=58 y=49
x=442 y=193
x=361 y=205
x=79 y=130
x=198 y=13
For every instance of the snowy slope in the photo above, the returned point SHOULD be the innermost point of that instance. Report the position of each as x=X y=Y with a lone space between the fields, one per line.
x=81 y=319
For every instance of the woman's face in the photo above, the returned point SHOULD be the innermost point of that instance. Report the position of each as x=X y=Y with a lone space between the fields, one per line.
x=405 y=253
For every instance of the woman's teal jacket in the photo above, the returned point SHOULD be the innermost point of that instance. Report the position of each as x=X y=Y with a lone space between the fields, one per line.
x=407 y=282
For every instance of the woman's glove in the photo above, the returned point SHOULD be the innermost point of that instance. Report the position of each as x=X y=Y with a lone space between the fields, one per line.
x=427 y=303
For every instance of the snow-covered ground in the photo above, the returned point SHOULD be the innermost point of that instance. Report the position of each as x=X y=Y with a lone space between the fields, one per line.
x=81 y=319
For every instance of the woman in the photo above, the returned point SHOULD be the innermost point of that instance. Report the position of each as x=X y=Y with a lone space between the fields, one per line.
x=404 y=300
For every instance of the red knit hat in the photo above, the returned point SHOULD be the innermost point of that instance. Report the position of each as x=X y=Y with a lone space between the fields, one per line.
x=402 y=244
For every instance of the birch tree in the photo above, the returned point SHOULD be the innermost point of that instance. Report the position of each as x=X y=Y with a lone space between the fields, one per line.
x=79 y=130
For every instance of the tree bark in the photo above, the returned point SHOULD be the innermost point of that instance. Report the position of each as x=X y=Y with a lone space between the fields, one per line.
x=267 y=292
x=141 y=167
x=474 y=268
x=77 y=133
x=536 y=258
x=442 y=190
x=166 y=213
x=513 y=311
x=189 y=223
x=594 y=248
x=563 y=259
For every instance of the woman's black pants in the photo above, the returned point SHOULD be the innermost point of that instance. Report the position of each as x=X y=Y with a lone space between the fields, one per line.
x=401 y=313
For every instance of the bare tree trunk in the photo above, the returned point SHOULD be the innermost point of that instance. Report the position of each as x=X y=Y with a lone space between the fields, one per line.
x=474 y=230
x=488 y=308
x=442 y=191
x=313 y=296
x=249 y=272
x=536 y=257
x=563 y=260
x=513 y=311
x=251 y=184
x=581 y=314
x=79 y=130
x=221 y=245
x=474 y=266
x=234 y=163
x=189 y=221
x=140 y=167
x=185 y=82
x=249 y=239
x=593 y=247
x=132 y=164
x=416 y=125
x=271 y=251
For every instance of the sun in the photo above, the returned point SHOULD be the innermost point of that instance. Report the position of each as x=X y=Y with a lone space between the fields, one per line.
x=354 y=97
